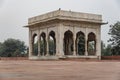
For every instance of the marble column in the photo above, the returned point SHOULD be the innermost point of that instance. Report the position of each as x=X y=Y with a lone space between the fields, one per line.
x=60 y=40
x=30 y=43
x=47 y=39
x=38 y=45
x=86 y=46
x=74 y=41
x=98 y=43
x=56 y=44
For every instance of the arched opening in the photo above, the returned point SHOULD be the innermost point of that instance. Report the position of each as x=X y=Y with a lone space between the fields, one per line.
x=91 y=44
x=43 y=44
x=52 y=43
x=35 y=45
x=80 y=43
x=68 y=43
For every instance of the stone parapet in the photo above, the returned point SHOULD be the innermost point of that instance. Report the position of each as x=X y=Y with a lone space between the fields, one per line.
x=66 y=15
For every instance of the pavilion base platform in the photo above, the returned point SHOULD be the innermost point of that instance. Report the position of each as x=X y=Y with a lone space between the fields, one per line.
x=65 y=58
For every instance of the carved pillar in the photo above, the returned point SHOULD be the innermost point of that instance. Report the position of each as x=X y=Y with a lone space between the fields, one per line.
x=76 y=45
x=47 y=39
x=61 y=45
x=57 y=41
x=86 y=45
x=30 y=43
x=38 y=45
x=98 y=43
x=74 y=41
x=60 y=40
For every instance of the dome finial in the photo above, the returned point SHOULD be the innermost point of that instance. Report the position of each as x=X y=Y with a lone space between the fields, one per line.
x=59 y=9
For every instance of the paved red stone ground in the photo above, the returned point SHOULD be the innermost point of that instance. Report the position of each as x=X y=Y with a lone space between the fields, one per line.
x=59 y=70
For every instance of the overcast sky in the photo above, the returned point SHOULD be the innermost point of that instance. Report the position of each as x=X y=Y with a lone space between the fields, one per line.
x=14 y=14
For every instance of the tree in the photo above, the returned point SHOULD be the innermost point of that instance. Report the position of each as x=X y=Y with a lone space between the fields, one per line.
x=103 y=48
x=51 y=47
x=81 y=45
x=12 y=48
x=108 y=50
x=115 y=38
x=35 y=49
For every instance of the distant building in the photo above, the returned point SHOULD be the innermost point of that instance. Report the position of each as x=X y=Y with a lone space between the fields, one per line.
x=65 y=34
